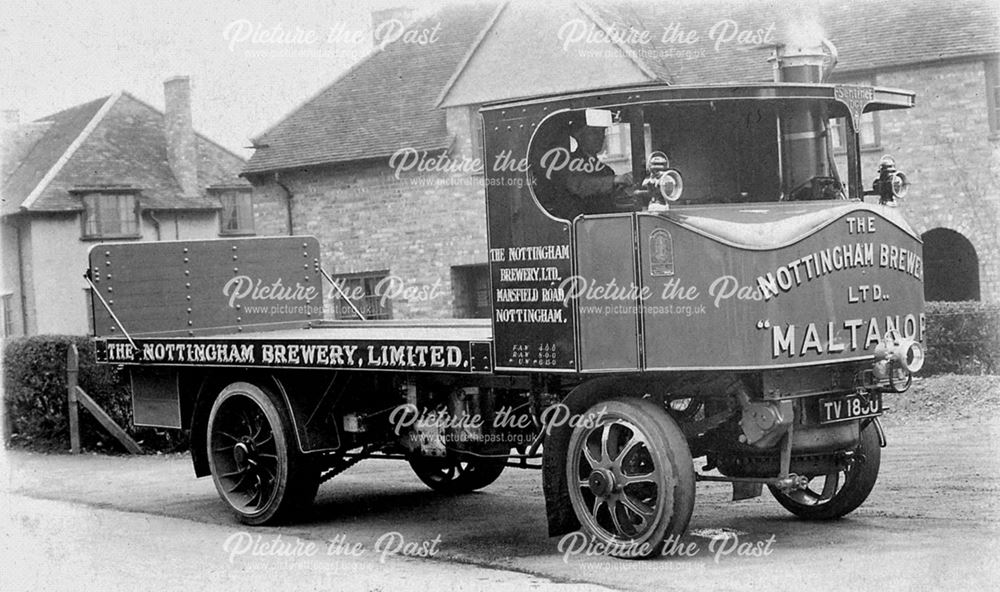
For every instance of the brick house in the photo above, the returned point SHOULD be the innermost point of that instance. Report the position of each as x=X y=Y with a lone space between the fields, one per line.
x=112 y=169
x=417 y=219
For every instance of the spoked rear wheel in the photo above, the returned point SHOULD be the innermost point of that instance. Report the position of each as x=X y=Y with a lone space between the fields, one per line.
x=630 y=476
x=836 y=494
x=255 y=465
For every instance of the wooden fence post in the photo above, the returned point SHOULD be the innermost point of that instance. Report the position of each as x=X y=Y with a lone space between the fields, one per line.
x=76 y=396
x=72 y=371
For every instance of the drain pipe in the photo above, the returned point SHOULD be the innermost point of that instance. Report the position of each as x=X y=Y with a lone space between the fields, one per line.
x=156 y=223
x=288 y=201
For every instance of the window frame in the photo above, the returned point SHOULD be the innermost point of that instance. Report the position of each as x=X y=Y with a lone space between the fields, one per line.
x=838 y=126
x=992 y=81
x=240 y=193
x=341 y=311
x=476 y=135
x=87 y=199
x=7 y=311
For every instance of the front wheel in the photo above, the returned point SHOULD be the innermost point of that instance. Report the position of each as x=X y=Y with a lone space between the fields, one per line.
x=630 y=476
x=837 y=494
x=255 y=464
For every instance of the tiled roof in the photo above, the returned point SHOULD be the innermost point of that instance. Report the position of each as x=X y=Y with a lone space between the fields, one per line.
x=388 y=100
x=115 y=141
x=384 y=103
x=869 y=34
x=29 y=162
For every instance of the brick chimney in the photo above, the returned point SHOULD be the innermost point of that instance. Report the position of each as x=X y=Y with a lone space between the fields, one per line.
x=182 y=151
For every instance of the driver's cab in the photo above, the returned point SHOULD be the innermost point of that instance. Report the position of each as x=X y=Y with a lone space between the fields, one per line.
x=690 y=152
x=609 y=185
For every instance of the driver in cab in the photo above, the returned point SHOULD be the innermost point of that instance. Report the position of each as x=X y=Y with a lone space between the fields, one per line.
x=587 y=178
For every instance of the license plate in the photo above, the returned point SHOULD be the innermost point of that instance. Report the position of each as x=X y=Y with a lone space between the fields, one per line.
x=845 y=407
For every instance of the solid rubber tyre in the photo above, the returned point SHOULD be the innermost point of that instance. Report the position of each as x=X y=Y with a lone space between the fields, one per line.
x=630 y=477
x=849 y=490
x=254 y=460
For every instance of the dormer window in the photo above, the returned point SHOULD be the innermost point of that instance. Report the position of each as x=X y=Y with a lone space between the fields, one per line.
x=110 y=214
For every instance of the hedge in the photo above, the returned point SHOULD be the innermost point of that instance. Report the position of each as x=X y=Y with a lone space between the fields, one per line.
x=962 y=338
x=35 y=398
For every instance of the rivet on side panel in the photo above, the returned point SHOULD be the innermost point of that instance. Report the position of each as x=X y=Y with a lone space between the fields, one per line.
x=239 y=319
x=185 y=250
x=110 y=289
x=188 y=297
x=189 y=311
x=235 y=257
x=187 y=272
x=187 y=285
x=239 y=306
x=107 y=253
x=234 y=247
x=186 y=260
x=190 y=323
x=236 y=270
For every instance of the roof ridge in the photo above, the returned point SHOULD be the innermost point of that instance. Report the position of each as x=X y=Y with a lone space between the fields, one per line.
x=630 y=53
x=52 y=116
x=73 y=147
x=196 y=132
x=418 y=16
x=502 y=5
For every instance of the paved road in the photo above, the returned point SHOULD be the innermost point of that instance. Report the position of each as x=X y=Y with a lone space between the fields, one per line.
x=932 y=523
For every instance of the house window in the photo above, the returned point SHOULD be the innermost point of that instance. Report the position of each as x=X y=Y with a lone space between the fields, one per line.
x=7 y=307
x=993 y=95
x=366 y=291
x=88 y=303
x=237 y=212
x=476 y=129
x=868 y=130
x=471 y=286
x=110 y=215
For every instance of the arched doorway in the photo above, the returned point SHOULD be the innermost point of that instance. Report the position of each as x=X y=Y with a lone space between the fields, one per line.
x=951 y=266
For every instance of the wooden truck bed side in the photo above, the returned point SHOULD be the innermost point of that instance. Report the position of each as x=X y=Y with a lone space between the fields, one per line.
x=448 y=345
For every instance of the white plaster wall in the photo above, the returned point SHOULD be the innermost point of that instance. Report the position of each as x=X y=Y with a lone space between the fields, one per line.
x=59 y=259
